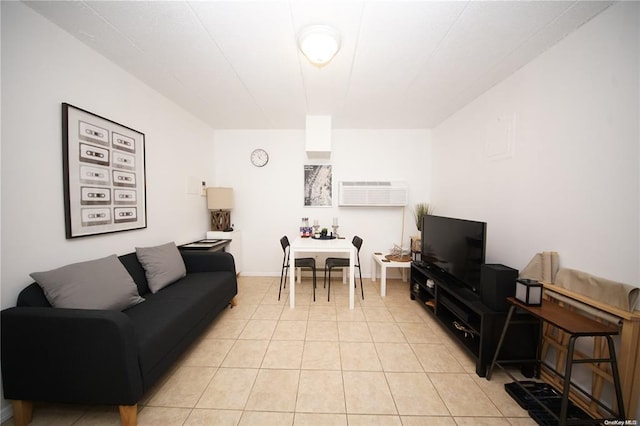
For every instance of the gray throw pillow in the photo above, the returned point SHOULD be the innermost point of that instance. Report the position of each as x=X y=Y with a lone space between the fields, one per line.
x=163 y=265
x=95 y=284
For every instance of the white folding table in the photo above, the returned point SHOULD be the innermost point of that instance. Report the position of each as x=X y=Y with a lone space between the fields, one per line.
x=311 y=245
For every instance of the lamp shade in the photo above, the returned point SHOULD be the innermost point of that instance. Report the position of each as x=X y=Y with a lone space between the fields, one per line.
x=219 y=198
x=529 y=292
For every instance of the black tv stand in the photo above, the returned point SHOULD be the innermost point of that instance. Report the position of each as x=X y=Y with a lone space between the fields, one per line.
x=474 y=325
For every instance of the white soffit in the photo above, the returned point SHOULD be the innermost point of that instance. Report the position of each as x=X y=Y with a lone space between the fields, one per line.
x=318 y=135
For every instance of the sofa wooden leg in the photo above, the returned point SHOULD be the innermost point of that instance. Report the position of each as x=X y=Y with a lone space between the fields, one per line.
x=234 y=302
x=22 y=412
x=128 y=415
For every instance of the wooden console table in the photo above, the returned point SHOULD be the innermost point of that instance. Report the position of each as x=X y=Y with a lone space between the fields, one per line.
x=575 y=326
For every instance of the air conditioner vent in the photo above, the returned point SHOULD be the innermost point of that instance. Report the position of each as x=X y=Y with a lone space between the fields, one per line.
x=373 y=193
x=362 y=183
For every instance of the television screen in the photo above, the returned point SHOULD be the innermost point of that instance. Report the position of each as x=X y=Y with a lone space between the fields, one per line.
x=456 y=247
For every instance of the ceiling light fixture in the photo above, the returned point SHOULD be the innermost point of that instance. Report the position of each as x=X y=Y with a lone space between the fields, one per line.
x=319 y=43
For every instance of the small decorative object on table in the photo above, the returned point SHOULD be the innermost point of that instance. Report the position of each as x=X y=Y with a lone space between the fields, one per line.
x=323 y=235
x=335 y=226
x=398 y=255
x=529 y=292
x=305 y=229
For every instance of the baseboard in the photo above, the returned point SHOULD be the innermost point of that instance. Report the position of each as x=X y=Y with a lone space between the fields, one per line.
x=6 y=413
x=390 y=275
x=260 y=274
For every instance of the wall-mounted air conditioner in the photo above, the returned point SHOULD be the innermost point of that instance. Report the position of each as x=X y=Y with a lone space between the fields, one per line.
x=373 y=193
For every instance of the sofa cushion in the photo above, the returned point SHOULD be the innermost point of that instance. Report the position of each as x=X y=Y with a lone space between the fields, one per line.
x=162 y=324
x=96 y=284
x=33 y=296
x=135 y=269
x=163 y=265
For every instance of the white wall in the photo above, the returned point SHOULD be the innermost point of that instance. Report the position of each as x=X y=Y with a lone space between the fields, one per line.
x=269 y=200
x=43 y=66
x=572 y=183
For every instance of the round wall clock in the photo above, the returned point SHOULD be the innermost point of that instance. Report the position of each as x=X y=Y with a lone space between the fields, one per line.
x=259 y=157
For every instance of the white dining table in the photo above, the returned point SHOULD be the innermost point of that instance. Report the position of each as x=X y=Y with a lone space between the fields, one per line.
x=311 y=245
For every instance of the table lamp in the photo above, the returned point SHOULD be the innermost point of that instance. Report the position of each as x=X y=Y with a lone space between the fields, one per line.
x=219 y=203
x=529 y=292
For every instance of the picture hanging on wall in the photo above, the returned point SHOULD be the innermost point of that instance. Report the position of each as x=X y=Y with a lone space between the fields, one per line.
x=317 y=186
x=104 y=174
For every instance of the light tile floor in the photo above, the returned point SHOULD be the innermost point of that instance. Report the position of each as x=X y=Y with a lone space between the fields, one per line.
x=387 y=362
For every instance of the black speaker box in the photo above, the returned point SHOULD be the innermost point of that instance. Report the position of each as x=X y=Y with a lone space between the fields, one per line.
x=497 y=282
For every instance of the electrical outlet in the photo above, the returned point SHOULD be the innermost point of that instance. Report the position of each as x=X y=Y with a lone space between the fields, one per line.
x=203 y=191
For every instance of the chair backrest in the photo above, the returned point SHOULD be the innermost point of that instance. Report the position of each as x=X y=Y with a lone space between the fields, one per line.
x=357 y=242
x=284 y=242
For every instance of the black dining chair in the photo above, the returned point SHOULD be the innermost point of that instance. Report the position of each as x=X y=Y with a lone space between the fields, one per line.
x=341 y=262
x=301 y=262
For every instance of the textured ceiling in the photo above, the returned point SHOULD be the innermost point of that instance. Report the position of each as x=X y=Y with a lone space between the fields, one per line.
x=402 y=64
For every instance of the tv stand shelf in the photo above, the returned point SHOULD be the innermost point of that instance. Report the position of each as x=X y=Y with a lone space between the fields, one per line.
x=474 y=325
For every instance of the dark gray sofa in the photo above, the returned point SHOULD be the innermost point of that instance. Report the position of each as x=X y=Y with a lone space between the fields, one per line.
x=109 y=357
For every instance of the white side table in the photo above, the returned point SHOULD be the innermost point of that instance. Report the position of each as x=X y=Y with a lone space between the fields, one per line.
x=234 y=247
x=380 y=261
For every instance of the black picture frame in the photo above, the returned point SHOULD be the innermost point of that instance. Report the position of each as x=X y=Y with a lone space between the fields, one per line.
x=318 y=186
x=104 y=174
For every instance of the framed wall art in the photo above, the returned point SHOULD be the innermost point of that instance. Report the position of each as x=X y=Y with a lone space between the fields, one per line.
x=104 y=174
x=318 y=186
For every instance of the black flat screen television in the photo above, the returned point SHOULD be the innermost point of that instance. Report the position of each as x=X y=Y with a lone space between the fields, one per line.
x=455 y=248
